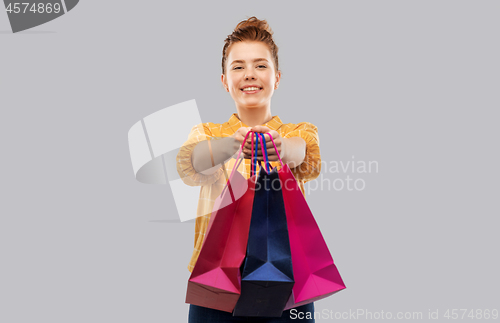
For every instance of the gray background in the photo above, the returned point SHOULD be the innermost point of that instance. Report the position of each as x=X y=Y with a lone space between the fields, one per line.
x=412 y=85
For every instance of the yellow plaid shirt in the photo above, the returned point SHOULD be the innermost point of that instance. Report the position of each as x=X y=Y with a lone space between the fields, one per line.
x=212 y=185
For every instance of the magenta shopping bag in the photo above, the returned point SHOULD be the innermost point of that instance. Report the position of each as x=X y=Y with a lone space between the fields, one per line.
x=314 y=271
x=216 y=279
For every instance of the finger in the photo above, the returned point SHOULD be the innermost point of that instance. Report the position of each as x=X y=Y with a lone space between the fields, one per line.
x=249 y=148
x=272 y=152
x=269 y=144
x=277 y=141
x=270 y=158
x=256 y=151
x=248 y=145
x=271 y=134
x=260 y=129
x=244 y=130
x=274 y=135
x=269 y=148
x=269 y=154
x=249 y=139
x=255 y=129
x=250 y=154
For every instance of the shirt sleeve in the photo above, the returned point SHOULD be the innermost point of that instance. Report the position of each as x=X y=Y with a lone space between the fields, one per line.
x=311 y=166
x=185 y=167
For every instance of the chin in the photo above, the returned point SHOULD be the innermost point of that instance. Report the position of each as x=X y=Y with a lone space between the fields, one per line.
x=251 y=105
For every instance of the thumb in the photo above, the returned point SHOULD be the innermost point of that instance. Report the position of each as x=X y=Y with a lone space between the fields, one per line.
x=260 y=129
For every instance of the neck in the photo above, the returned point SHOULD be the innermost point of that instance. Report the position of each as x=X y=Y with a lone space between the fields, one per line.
x=254 y=116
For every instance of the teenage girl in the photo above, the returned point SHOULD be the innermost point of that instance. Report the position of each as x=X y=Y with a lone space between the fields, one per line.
x=250 y=73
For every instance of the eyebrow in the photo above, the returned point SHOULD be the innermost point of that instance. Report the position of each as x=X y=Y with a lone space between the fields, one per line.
x=255 y=60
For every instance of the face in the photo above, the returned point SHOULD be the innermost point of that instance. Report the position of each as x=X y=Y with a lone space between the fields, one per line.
x=250 y=64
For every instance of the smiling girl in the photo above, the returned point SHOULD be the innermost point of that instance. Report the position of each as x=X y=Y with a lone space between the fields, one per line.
x=250 y=73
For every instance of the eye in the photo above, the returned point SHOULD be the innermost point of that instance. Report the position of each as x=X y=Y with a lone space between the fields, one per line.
x=264 y=66
x=236 y=67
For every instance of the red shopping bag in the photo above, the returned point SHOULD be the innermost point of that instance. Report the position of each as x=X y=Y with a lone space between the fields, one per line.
x=216 y=279
x=267 y=272
x=316 y=275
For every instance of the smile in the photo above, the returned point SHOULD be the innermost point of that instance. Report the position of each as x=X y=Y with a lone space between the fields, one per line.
x=251 y=90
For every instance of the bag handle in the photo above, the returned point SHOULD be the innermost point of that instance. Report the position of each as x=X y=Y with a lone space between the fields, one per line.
x=254 y=155
x=275 y=149
x=265 y=156
x=236 y=165
x=252 y=168
x=264 y=152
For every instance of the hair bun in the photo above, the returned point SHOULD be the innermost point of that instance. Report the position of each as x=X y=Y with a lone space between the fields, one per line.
x=255 y=22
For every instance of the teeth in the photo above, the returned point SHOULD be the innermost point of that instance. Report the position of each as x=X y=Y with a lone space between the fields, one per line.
x=251 y=89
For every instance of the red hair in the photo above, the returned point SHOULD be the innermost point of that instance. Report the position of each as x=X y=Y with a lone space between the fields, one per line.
x=252 y=29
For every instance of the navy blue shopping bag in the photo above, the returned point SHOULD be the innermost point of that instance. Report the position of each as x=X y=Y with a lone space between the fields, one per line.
x=267 y=272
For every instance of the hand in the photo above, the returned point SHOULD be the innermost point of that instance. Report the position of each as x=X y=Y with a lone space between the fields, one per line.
x=238 y=137
x=271 y=152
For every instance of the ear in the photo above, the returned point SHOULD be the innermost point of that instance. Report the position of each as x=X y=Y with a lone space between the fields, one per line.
x=224 y=82
x=278 y=79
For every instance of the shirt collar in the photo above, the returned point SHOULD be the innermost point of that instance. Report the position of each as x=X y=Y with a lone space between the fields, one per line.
x=235 y=123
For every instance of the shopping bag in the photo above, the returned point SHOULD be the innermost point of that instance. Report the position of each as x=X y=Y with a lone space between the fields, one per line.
x=267 y=273
x=215 y=280
x=316 y=275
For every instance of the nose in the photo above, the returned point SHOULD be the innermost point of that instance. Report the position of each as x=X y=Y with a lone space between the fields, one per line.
x=249 y=75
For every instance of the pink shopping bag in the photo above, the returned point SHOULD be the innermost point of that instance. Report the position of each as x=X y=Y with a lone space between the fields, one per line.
x=316 y=276
x=216 y=279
